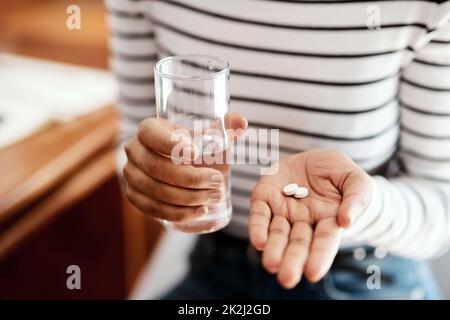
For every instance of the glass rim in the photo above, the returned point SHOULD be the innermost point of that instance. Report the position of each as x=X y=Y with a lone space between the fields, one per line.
x=188 y=57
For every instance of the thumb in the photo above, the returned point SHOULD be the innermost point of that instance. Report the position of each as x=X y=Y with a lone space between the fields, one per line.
x=236 y=125
x=356 y=192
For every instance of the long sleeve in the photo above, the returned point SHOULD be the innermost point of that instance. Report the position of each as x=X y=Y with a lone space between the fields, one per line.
x=410 y=215
x=132 y=57
x=320 y=76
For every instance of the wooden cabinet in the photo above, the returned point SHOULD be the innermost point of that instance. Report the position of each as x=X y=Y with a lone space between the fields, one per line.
x=61 y=205
x=60 y=200
x=38 y=28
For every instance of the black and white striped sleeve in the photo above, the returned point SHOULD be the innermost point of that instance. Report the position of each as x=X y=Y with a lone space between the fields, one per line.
x=410 y=215
x=132 y=57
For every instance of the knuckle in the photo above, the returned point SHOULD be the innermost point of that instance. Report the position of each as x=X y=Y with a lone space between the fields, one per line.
x=162 y=211
x=255 y=227
x=128 y=148
x=259 y=192
x=134 y=201
x=259 y=213
x=280 y=223
x=365 y=176
x=148 y=210
x=164 y=192
x=301 y=242
x=145 y=208
x=199 y=196
x=150 y=186
x=152 y=164
x=145 y=126
x=180 y=215
x=254 y=195
x=130 y=198
x=340 y=153
x=337 y=154
x=177 y=218
x=191 y=198
x=196 y=180
x=360 y=173
x=170 y=213
x=326 y=235
x=126 y=171
x=277 y=231
x=192 y=180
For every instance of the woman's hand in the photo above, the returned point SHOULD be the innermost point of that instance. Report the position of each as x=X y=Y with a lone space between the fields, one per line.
x=165 y=189
x=302 y=236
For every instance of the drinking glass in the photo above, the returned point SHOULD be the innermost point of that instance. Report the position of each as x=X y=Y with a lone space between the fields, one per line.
x=192 y=93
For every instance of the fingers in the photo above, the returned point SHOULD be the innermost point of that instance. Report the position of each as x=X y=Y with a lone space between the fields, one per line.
x=267 y=201
x=296 y=253
x=258 y=225
x=276 y=243
x=162 y=136
x=237 y=123
x=168 y=193
x=357 y=191
x=163 y=210
x=163 y=169
x=324 y=247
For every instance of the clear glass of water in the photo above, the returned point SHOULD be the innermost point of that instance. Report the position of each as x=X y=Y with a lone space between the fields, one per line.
x=192 y=93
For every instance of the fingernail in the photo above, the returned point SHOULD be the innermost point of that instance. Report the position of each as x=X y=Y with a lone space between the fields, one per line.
x=201 y=210
x=216 y=179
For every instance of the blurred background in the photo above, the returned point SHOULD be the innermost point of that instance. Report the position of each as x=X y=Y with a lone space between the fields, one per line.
x=60 y=199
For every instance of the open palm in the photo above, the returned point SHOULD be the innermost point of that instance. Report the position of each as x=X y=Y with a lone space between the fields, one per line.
x=302 y=236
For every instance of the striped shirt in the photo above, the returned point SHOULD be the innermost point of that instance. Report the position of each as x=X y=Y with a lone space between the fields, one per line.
x=368 y=78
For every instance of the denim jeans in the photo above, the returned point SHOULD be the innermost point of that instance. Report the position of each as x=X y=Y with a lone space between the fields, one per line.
x=224 y=267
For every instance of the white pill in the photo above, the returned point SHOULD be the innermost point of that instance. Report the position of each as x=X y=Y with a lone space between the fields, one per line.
x=290 y=189
x=301 y=192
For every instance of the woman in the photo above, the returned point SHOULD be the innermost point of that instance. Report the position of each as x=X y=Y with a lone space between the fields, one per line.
x=360 y=91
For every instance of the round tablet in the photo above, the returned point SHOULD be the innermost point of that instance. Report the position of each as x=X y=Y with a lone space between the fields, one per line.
x=301 y=192
x=290 y=189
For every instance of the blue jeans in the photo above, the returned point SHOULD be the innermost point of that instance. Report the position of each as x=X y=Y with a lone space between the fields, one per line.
x=224 y=267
